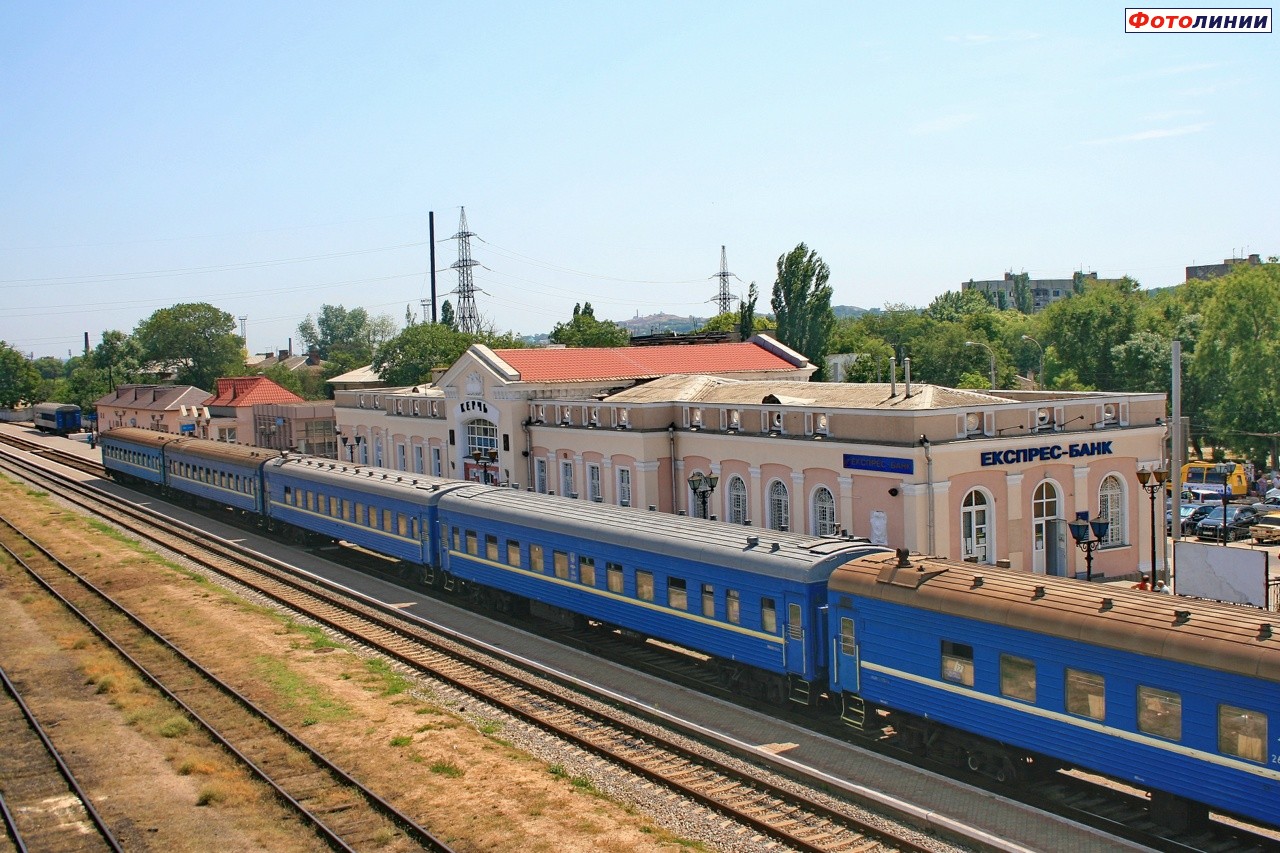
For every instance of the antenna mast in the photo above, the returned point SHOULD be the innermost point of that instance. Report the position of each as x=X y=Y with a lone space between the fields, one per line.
x=724 y=298
x=468 y=321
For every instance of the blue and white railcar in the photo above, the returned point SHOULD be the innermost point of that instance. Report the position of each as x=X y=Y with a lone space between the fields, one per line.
x=389 y=512
x=225 y=474
x=749 y=598
x=60 y=418
x=993 y=668
x=132 y=453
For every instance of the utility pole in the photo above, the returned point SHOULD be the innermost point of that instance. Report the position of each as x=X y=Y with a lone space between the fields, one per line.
x=244 y=339
x=431 y=237
x=468 y=320
x=724 y=298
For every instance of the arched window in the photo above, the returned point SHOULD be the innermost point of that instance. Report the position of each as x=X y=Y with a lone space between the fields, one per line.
x=481 y=435
x=1111 y=507
x=737 y=496
x=975 y=529
x=1044 y=508
x=824 y=512
x=779 y=506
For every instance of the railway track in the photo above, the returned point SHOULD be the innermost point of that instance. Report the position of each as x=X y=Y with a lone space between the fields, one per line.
x=42 y=805
x=748 y=797
x=342 y=812
x=62 y=457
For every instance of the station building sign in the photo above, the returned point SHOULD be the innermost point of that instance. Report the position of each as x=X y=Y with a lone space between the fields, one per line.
x=1045 y=453
x=883 y=464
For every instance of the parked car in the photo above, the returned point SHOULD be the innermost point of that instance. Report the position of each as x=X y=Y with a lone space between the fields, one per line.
x=1238 y=520
x=1265 y=529
x=1193 y=518
x=1185 y=509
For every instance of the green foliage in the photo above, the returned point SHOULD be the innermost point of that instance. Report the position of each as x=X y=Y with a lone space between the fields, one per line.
x=446 y=315
x=955 y=305
x=347 y=337
x=409 y=357
x=195 y=340
x=1086 y=328
x=19 y=379
x=801 y=303
x=748 y=322
x=584 y=330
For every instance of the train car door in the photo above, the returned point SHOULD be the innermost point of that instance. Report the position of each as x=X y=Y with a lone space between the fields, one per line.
x=794 y=636
x=848 y=672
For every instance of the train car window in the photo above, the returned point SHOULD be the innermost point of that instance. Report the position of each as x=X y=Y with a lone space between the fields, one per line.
x=473 y=546
x=360 y=516
x=346 y=509
x=732 y=612
x=561 y=562
x=334 y=506
x=513 y=552
x=677 y=594
x=644 y=585
x=1018 y=678
x=402 y=525
x=613 y=571
x=587 y=571
x=491 y=547
x=1086 y=694
x=457 y=539
x=1242 y=733
x=768 y=615
x=311 y=500
x=848 y=640
x=537 y=561
x=288 y=494
x=1160 y=712
x=795 y=622
x=708 y=601
x=387 y=523
x=957 y=663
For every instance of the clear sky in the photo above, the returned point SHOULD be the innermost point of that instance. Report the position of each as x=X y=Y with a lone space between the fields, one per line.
x=272 y=157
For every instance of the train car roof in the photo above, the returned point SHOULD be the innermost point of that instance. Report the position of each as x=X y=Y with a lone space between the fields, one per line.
x=1230 y=638
x=794 y=556
x=221 y=451
x=401 y=485
x=138 y=435
x=57 y=407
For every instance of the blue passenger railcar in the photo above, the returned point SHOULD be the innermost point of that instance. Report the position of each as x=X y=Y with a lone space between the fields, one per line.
x=132 y=453
x=388 y=512
x=61 y=418
x=1178 y=696
x=749 y=598
x=226 y=474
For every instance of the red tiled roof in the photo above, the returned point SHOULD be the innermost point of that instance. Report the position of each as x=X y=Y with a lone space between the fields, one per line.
x=241 y=391
x=588 y=364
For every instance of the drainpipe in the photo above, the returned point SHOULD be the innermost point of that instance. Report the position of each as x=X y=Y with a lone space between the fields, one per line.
x=928 y=458
x=671 y=436
x=528 y=448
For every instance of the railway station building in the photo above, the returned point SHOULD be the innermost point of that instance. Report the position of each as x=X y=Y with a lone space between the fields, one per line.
x=736 y=431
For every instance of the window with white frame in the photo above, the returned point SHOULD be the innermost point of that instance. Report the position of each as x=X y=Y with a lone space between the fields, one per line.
x=1111 y=508
x=566 y=478
x=417 y=460
x=402 y=463
x=437 y=462
x=593 y=483
x=624 y=487
x=737 y=497
x=975 y=530
x=779 y=506
x=481 y=435
x=824 y=512
x=540 y=476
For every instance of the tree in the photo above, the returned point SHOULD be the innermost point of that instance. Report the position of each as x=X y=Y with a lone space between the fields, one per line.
x=955 y=305
x=1085 y=328
x=747 y=314
x=584 y=330
x=446 y=315
x=19 y=379
x=119 y=357
x=194 y=340
x=802 y=304
x=347 y=337
x=409 y=357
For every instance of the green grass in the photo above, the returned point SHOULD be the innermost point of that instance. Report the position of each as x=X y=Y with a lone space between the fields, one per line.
x=401 y=740
x=393 y=683
x=299 y=693
x=446 y=768
x=315 y=635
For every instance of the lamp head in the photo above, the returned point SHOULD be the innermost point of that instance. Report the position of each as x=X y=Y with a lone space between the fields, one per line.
x=1100 y=527
x=1079 y=530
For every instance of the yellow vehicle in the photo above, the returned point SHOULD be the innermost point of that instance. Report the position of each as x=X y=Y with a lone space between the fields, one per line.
x=1205 y=476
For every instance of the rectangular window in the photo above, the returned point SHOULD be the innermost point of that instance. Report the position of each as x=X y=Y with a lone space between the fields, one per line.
x=473 y=545
x=768 y=616
x=491 y=547
x=644 y=585
x=417 y=460
x=677 y=594
x=540 y=476
x=593 y=483
x=957 y=663
x=1160 y=712
x=311 y=501
x=708 y=601
x=795 y=622
x=402 y=524
x=566 y=479
x=1242 y=733
x=346 y=509
x=1086 y=694
x=848 y=639
x=288 y=494
x=437 y=467
x=457 y=539
x=537 y=562
x=624 y=487
x=616 y=581
x=1018 y=678
x=732 y=610
x=360 y=516
x=513 y=552
x=561 y=561
x=387 y=524
x=587 y=571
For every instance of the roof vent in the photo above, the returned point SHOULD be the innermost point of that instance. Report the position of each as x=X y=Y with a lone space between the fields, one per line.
x=753 y=541
x=977 y=581
x=1264 y=631
x=774 y=546
x=1181 y=617
x=1039 y=592
x=904 y=558
x=1107 y=604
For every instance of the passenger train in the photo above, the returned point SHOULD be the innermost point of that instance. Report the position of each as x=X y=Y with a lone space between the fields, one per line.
x=1004 y=672
x=60 y=418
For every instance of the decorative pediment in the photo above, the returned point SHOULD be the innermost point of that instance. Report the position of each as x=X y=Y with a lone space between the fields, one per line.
x=475 y=384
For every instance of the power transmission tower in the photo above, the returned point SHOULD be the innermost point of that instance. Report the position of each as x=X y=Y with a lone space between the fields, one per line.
x=244 y=339
x=467 y=319
x=724 y=299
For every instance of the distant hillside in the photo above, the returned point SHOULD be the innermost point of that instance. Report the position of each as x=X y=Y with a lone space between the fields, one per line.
x=638 y=325
x=842 y=311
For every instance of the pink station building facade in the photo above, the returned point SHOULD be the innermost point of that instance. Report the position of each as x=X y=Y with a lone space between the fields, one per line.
x=990 y=477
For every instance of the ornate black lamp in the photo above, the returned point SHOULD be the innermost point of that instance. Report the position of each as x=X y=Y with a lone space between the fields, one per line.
x=1225 y=470
x=1080 y=529
x=1153 y=481
x=702 y=485
x=484 y=460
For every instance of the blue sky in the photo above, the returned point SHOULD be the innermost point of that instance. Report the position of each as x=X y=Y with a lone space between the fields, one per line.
x=270 y=158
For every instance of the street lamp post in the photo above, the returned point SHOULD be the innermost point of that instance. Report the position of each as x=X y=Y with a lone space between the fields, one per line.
x=1225 y=469
x=1153 y=481
x=1080 y=532
x=991 y=353
x=702 y=485
x=484 y=460
x=1040 y=375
